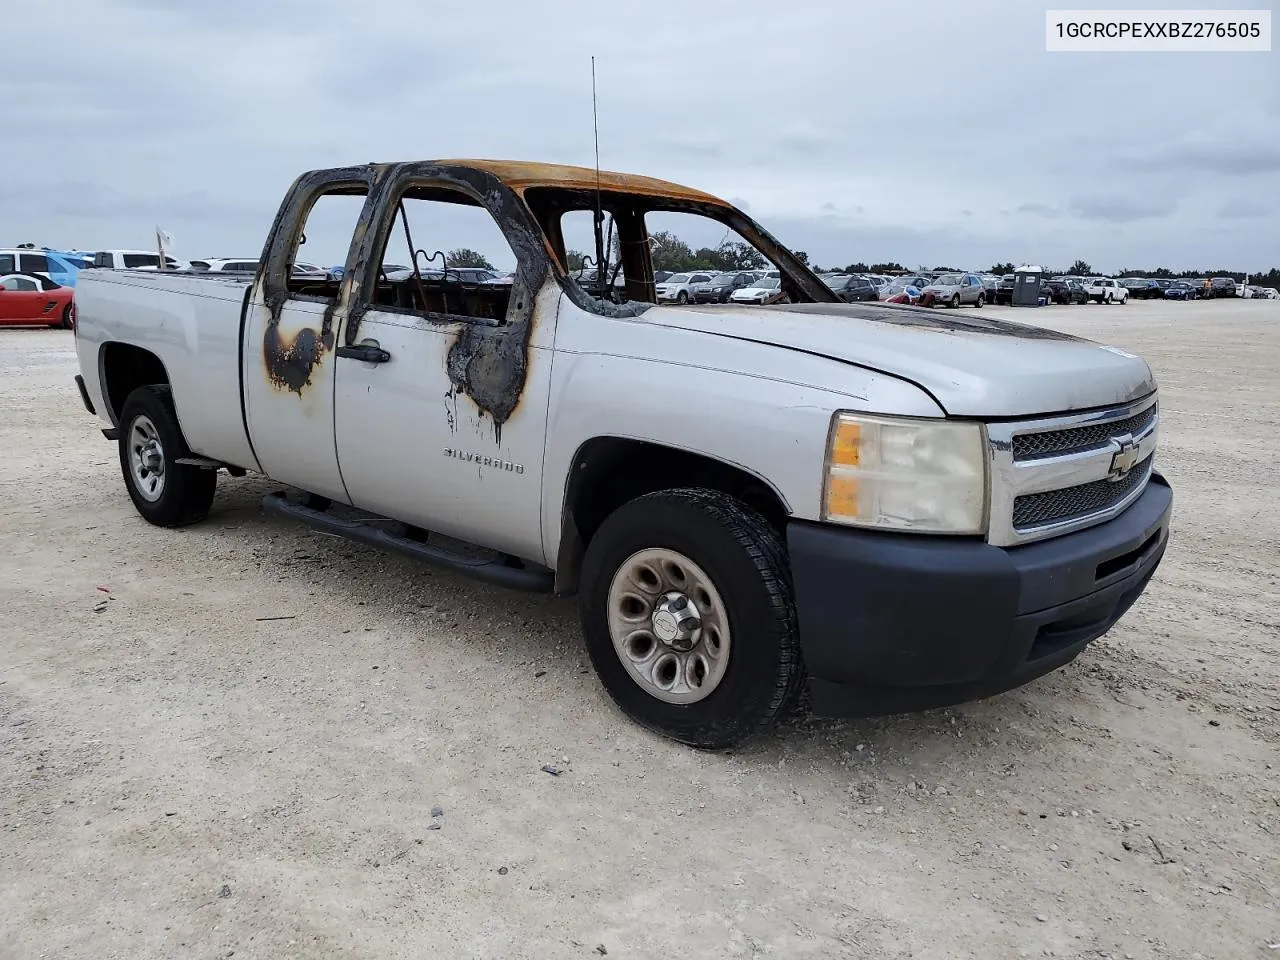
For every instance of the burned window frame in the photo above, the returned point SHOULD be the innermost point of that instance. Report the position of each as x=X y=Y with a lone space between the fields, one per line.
x=533 y=260
x=282 y=244
x=427 y=189
x=549 y=203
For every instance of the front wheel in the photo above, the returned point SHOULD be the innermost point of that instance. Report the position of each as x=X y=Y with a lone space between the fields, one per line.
x=689 y=618
x=955 y=301
x=682 y=297
x=165 y=492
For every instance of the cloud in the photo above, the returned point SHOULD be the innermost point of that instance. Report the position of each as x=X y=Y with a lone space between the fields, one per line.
x=1240 y=208
x=202 y=114
x=1040 y=210
x=1120 y=208
x=1234 y=155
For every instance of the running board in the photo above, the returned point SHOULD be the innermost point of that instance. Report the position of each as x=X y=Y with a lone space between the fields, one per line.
x=207 y=463
x=491 y=570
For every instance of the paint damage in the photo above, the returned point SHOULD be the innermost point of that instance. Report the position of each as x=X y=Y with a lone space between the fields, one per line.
x=290 y=365
x=488 y=359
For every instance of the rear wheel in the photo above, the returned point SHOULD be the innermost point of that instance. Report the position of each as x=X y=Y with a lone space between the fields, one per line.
x=982 y=298
x=165 y=492
x=69 y=316
x=687 y=610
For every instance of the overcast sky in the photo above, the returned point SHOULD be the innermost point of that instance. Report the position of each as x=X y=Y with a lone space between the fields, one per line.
x=922 y=132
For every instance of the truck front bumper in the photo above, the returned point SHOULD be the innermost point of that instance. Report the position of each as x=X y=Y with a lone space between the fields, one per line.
x=891 y=623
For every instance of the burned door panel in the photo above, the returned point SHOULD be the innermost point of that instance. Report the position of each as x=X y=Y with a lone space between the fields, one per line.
x=448 y=435
x=290 y=331
x=413 y=446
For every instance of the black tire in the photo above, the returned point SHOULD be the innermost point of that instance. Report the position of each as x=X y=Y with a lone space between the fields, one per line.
x=682 y=297
x=982 y=298
x=954 y=304
x=186 y=492
x=69 y=316
x=746 y=562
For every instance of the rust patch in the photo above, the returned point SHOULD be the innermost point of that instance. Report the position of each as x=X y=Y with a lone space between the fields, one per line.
x=289 y=365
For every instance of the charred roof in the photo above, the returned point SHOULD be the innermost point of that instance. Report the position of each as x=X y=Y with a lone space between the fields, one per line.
x=520 y=175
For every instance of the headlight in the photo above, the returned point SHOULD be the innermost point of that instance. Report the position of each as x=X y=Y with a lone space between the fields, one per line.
x=924 y=476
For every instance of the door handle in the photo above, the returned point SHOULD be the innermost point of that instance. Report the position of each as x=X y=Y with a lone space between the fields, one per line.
x=369 y=352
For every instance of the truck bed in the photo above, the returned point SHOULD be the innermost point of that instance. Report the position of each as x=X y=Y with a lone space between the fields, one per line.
x=192 y=321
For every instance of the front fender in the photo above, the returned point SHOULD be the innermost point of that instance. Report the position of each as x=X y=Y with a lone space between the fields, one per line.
x=775 y=429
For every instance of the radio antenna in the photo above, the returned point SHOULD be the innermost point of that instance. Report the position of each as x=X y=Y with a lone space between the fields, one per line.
x=601 y=266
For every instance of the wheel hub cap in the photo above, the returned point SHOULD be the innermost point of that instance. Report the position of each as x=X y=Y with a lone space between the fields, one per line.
x=669 y=625
x=146 y=459
x=676 y=622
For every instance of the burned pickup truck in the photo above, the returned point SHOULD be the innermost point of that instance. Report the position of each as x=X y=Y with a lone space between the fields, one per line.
x=893 y=508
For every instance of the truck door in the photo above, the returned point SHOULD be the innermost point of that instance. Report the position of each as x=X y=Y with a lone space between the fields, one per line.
x=290 y=329
x=442 y=384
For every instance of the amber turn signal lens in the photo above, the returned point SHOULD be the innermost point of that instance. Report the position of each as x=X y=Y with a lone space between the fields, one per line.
x=846 y=446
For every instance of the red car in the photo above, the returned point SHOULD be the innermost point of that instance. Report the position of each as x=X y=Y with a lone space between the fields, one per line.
x=31 y=300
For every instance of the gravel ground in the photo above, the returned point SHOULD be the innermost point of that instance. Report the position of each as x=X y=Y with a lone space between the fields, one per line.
x=181 y=776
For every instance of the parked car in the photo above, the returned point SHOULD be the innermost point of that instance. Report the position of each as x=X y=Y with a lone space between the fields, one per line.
x=745 y=502
x=135 y=260
x=767 y=290
x=661 y=275
x=33 y=300
x=1140 y=288
x=1182 y=290
x=1222 y=287
x=721 y=286
x=54 y=265
x=678 y=288
x=230 y=265
x=851 y=288
x=901 y=291
x=954 y=290
x=1106 y=290
x=1004 y=289
x=1064 y=291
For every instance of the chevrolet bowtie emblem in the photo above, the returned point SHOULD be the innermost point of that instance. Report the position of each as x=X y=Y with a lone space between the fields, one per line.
x=1125 y=458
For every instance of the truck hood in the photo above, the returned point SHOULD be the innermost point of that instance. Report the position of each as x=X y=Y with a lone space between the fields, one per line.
x=972 y=365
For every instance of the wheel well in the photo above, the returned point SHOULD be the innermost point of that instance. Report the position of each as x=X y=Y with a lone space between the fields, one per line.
x=124 y=369
x=610 y=471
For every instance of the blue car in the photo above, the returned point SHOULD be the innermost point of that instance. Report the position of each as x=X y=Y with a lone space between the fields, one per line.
x=1182 y=290
x=53 y=265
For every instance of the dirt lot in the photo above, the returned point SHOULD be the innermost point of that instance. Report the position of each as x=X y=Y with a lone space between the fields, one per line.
x=181 y=776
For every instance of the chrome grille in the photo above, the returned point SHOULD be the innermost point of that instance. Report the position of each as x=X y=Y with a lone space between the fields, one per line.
x=1052 y=443
x=1055 y=475
x=1070 y=503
